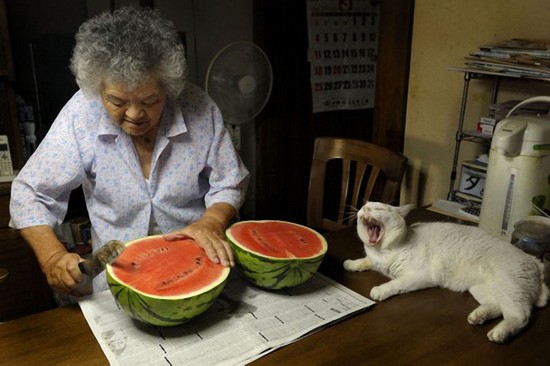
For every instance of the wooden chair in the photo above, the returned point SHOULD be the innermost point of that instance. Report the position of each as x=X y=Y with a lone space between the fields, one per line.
x=367 y=171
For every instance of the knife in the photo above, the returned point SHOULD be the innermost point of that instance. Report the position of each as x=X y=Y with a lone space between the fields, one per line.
x=107 y=254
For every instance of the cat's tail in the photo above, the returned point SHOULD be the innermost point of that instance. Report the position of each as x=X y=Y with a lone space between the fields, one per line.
x=544 y=293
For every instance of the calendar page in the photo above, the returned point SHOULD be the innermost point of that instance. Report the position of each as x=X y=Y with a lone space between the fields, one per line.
x=343 y=36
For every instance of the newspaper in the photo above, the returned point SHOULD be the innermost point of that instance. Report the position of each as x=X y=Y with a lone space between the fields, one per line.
x=243 y=324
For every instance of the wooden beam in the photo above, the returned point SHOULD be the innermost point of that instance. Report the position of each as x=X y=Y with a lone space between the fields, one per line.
x=392 y=72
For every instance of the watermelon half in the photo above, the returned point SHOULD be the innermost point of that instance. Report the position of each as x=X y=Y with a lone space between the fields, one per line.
x=276 y=254
x=165 y=282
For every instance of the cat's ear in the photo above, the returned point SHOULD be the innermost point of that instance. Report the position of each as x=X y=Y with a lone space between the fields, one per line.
x=405 y=209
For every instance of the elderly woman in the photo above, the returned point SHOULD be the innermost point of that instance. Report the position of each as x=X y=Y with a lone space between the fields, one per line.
x=149 y=149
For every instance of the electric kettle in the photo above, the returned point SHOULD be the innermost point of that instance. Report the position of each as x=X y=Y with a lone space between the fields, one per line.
x=518 y=172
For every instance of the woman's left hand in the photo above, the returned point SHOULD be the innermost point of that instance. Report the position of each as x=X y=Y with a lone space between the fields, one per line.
x=209 y=233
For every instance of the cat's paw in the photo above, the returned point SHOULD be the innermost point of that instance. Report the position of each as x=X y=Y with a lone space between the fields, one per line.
x=475 y=318
x=350 y=265
x=483 y=313
x=378 y=293
x=497 y=335
x=507 y=328
x=356 y=265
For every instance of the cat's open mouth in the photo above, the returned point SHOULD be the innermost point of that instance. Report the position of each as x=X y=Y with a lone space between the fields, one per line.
x=375 y=230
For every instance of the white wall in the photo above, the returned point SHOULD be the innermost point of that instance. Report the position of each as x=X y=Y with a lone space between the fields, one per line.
x=443 y=33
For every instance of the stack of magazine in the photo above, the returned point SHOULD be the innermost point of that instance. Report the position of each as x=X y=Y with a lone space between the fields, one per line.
x=514 y=57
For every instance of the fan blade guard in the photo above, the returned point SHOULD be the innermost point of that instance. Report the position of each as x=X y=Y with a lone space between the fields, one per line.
x=239 y=80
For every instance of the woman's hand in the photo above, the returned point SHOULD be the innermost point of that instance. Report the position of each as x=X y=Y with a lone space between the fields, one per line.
x=209 y=236
x=209 y=233
x=62 y=272
x=59 y=266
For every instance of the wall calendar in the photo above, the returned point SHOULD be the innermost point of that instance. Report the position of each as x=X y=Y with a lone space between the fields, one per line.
x=343 y=38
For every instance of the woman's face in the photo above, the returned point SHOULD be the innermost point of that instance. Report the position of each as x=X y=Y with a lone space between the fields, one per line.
x=136 y=111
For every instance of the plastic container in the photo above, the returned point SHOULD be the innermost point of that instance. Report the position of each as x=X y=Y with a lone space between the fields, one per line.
x=532 y=235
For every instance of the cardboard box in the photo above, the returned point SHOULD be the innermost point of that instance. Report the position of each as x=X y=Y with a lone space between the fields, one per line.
x=472 y=180
x=486 y=125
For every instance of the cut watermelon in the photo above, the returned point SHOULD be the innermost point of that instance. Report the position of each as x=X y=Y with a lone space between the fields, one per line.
x=165 y=282
x=276 y=254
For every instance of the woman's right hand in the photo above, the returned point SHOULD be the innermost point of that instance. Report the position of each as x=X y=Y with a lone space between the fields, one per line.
x=62 y=272
x=59 y=266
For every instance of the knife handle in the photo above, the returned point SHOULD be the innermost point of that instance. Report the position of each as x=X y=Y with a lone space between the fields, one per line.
x=83 y=268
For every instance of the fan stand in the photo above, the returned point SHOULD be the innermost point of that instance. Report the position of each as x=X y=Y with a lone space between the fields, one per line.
x=247 y=85
x=235 y=134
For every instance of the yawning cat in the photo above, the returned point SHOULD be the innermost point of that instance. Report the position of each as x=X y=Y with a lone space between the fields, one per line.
x=504 y=280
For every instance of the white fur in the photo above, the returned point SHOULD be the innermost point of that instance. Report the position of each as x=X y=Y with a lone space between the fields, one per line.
x=504 y=280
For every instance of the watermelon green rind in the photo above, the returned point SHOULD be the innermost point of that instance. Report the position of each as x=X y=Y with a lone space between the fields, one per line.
x=275 y=274
x=158 y=311
x=164 y=310
x=271 y=272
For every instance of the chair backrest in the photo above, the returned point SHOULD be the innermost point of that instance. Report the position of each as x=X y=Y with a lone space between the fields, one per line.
x=368 y=172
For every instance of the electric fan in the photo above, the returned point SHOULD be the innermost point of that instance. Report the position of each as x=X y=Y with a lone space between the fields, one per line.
x=239 y=80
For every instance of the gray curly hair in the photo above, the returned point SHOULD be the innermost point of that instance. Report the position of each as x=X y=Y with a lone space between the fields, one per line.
x=129 y=46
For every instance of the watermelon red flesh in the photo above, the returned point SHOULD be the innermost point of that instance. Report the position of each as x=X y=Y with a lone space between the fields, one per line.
x=165 y=269
x=165 y=283
x=277 y=239
x=276 y=254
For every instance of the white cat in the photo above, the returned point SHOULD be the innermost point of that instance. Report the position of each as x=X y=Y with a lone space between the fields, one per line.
x=504 y=280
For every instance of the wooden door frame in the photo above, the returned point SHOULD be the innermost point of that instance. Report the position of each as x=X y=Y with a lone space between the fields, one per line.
x=392 y=72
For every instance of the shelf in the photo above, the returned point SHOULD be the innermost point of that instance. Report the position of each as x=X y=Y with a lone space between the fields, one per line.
x=9 y=124
x=451 y=208
x=480 y=74
x=472 y=135
x=6 y=60
x=495 y=76
x=464 y=197
x=475 y=165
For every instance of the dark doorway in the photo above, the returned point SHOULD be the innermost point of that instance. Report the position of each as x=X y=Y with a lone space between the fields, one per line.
x=286 y=129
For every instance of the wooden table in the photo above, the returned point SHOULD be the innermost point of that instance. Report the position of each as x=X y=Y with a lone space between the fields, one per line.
x=427 y=327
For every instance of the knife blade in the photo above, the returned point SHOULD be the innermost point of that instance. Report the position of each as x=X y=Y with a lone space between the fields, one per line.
x=107 y=254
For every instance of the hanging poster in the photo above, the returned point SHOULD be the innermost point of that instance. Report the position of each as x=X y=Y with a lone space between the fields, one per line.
x=342 y=53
